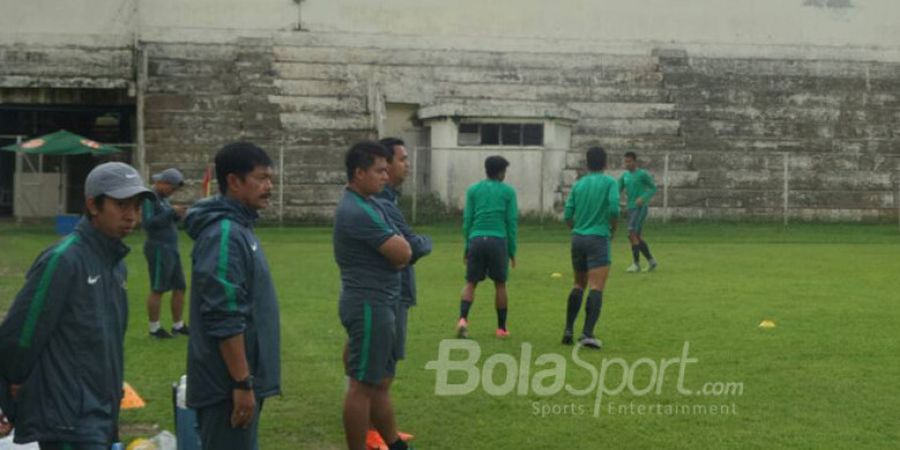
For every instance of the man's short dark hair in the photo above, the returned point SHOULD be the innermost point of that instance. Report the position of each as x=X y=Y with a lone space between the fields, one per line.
x=596 y=159
x=239 y=158
x=389 y=143
x=494 y=166
x=631 y=155
x=362 y=156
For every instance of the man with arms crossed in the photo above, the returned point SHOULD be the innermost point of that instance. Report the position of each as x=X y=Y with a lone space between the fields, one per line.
x=398 y=168
x=62 y=342
x=233 y=349
x=591 y=211
x=370 y=253
x=161 y=252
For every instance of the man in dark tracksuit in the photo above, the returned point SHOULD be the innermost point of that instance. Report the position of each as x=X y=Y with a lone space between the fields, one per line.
x=161 y=252
x=370 y=253
x=398 y=167
x=233 y=349
x=61 y=343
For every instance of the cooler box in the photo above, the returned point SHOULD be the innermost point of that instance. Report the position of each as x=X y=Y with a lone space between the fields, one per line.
x=185 y=418
x=65 y=223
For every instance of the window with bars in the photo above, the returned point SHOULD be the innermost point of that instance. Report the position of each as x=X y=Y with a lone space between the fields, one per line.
x=505 y=134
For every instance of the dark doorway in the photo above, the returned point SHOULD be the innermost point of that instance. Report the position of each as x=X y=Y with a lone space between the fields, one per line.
x=101 y=116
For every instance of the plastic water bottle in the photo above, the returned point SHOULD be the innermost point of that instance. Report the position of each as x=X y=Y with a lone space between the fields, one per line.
x=181 y=392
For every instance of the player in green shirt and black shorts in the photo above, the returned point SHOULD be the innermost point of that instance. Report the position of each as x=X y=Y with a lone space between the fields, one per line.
x=490 y=223
x=640 y=187
x=591 y=212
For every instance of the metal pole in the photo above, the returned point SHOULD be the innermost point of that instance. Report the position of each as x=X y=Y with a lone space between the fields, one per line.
x=415 y=183
x=666 y=188
x=17 y=179
x=281 y=183
x=786 y=178
x=61 y=204
x=141 y=156
x=541 y=199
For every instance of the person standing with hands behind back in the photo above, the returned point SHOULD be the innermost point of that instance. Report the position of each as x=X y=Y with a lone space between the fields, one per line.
x=62 y=341
x=233 y=349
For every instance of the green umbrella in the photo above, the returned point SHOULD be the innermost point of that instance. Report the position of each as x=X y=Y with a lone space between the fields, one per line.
x=61 y=143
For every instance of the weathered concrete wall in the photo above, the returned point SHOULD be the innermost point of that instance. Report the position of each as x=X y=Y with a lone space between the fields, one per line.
x=759 y=22
x=39 y=66
x=725 y=88
x=725 y=122
x=836 y=120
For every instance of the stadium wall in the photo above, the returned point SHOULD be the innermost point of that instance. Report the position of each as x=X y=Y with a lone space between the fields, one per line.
x=725 y=104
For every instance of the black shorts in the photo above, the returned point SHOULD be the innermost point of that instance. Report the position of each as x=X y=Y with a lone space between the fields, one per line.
x=636 y=218
x=589 y=252
x=164 y=265
x=400 y=338
x=487 y=257
x=371 y=338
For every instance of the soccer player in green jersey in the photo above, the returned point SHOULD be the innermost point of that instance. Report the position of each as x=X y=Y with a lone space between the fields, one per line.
x=490 y=223
x=591 y=212
x=640 y=187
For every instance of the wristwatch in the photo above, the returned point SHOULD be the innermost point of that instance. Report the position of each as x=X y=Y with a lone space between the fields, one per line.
x=245 y=385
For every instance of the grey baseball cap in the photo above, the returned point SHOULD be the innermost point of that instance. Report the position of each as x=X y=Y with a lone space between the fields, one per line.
x=115 y=179
x=172 y=176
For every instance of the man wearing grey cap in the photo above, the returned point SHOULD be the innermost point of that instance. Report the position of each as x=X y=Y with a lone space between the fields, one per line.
x=161 y=252
x=62 y=341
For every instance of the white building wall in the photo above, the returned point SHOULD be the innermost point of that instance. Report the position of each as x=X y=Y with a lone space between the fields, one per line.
x=771 y=23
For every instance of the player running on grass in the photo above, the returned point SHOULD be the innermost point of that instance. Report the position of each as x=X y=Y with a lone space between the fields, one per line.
x=591 y=212
x=490 y=224
x=640 y=187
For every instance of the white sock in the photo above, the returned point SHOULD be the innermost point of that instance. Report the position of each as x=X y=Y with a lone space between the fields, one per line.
x=154 y=326
x=178 y=325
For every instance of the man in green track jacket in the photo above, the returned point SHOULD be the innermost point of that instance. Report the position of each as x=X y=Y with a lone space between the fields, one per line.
x=234 y=359
x=61 y=343
x=490 y=223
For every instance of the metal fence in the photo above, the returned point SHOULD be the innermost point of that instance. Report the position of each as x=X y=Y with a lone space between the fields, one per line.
x=784 y=186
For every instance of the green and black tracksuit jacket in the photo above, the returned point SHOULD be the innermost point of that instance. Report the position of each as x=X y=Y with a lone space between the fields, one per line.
x=62 y=341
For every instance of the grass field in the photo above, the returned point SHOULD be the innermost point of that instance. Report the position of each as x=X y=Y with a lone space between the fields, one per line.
x=826 y=376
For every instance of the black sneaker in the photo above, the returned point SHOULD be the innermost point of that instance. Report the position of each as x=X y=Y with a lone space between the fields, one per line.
x=161 y=334
x=567 y=338
x=183 y=330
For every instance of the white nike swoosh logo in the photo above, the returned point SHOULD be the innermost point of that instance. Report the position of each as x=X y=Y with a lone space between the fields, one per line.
x=254 y=247
x=131 y=175
x=93 y=280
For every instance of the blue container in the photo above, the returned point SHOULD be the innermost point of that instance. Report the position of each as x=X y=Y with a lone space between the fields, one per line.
x=186 y=429
x=186 y=433
x=65 y=223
